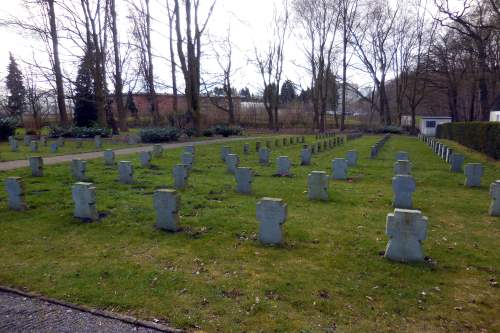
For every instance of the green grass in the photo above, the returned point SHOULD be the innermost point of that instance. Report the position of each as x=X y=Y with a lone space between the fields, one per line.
x=215 y=275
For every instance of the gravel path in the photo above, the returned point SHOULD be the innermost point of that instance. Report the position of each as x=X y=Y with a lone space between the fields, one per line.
x=20 y=313
x=11 y=165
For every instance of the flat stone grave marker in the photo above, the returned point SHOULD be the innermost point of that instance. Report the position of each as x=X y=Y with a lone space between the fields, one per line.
x=339 y=168
x=84 y=198
x=406 y=230
x=317 y=185
x=457 y=162
x=244 y=179
x=283 y=166
x=167 y=204
x=36 y=165
x=109 y=157
x=403 y=187
x=232 y=162
x=14 y=186
x=126 y=172
x=473 y=173
x=495 y=198
x=181 y=174
x=352 y=158
x=145 y=159
x=78 y=168
x=402 y=167
x=272 y=214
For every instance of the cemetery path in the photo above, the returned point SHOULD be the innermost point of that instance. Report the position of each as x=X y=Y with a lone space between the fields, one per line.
x=11 y=165
x=25 y=313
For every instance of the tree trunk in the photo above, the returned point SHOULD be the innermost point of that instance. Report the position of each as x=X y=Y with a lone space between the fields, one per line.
x=120 y=108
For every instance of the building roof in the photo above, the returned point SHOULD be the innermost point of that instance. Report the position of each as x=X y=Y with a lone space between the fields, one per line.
x=435 y=117
x=496 y=104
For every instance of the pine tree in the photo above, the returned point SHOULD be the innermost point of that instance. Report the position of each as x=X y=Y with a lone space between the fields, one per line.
x=16 y=101
x=288 y=93
x=85 y=100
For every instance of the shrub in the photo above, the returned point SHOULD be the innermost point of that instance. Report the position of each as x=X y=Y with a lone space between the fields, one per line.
x=79 y=132
x=208 y=132
x=7 y=127
x=480 y=136
x=226 y=131
x=157 y=135
x=190 y=132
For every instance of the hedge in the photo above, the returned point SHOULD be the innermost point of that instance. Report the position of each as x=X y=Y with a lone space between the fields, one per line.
x=79 y=132
x=7 y=127
x=157 y=135
x=481 y=136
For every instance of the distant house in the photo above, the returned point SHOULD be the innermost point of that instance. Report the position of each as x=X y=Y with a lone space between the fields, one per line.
x=495 y=110
x=428 y=124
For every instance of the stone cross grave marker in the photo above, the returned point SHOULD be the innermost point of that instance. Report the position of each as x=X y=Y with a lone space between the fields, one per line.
x=272 y=214
x=232 y=162
x=109 y=157
x=145 y=159
x=339 y=168
x=14 y=186
x=283 y=166
x=457 y=162
x=167 y=205
x=78 y=169
x=317 y=185
x=352 y=158
x=264 y=154
x=403 y=187
x=126 y=172
x=305 y=156
x=244 y=179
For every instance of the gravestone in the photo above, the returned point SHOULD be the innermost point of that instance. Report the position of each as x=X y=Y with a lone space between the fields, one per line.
x=495 y=198
x=188 y=160
x=167 y=205
x=456 y=161
x=43 y=140
x=317 y=185
x=125 y=172
x=352 y=158
x=272 y=214
x=132 y=140
x=224 y=151
x=402 y=167
x=109 y=157
x=98 y=141
x=285 y=141
x=78 y=168
x=305 y=156
x=15 y=193
x=27 y=139
x=473 y=173
x=264 y=155
x=406 y=230
x=373 y=152
x=181 y=174
x=190 y=149
x=291 y=140
x=244 y=179
x=60 y=141
x=14 y=146
x=232 y=162
x=157 y=150
x=85 y=201
x=36 y=165
x=34 y=146
x=283 y=166
x=79 y=143
x=339 y=168
x=402 y=156
x=54 y=147
x=145 y=159
x=403 y=187
x=257 y=146
x=246 y=149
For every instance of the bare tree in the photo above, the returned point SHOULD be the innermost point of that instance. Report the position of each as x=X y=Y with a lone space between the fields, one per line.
x=173 y=65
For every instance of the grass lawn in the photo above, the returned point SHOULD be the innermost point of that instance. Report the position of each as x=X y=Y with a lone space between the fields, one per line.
x=215 y=276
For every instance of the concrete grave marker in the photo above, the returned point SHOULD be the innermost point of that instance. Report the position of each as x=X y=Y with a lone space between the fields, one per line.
x=406 y=230
x=27 y=139
x=60 y=141
x=54 y=147
x=246 y=149
x=403 y=187
x=167 y=205
x=190 y=149
x=495 y=198
x=402 y=156
x=13 y=144
x=84 y=198
x=36 y=165
x=188 y=160
x=34 y=146
x=224 y=151
x=109 y=157
x=283 y=166
x=305 y=156
x=339 y=168
x=14 y=186
x=272 y=214
x=126 y=172
x=43 y=140
x=264 y=154
x=317 y=185
x=457 y=162
x=244 y=179
x=181 y=174
x=232 y=162
x=473 y=173
x=145 y=158
x=78 y=168
x=402 y=167
x=79 y=143
x=98 y=141
x=352 y=158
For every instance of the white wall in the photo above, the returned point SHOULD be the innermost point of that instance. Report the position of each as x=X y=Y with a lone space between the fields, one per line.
x=431 y=131
x=495 y=116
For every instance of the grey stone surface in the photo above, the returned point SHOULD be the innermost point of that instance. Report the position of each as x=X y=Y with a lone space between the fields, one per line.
x=305 y=156
x=403 y=187
x=43 y=140
x=495 y=198
x=244 y=179
x=272 y=214
x=264 y=155
x=352 y=158
x=54 y=147
x=78 y=169
x=36 y=166
x=317 y=185
x=339 y=168
x=402 y=155
x=457 y=162
x=473 y=173
x=190 y=149
x=27 y=139
x=181 y=175
x=158 y=150
x=133 y=140
x=224 y=151
x=232 y=162
x=402 y=167
x=167 y=205
x=14 y=146
x=188 y=159
x=109 y=157
x=125 y=172
x=98 y=141
x=449 y=152
x=246 y=149
x=34 y=146
x=84 y=198
x=283 y=166
x=14 y=186
x=145 y=158
x=406 y=230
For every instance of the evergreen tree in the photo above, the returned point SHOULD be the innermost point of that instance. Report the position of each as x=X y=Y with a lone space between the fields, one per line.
x=288 y=92
x=85 y=100
x=16 y=101
x=131 y=107
x=245 y=93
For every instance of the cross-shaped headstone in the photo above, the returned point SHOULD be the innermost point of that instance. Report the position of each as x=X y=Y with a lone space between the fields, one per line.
x=145 y=159
x=317 y=185
x=339 y=168
x=272 y=214
x=167 y=205
x=78 y=168
x=244 y=179
x=264 y=154
x=402 y=167
x=232 y=162
x=403 y=187
x=456 y=161
x=305 y=156
x=283 y=166
x=352 y=158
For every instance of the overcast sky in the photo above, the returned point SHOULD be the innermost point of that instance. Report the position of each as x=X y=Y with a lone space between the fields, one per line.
x=249 y=21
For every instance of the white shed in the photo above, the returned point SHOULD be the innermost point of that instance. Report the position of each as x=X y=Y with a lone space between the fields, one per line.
x=495 y=110
x=429 y=124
